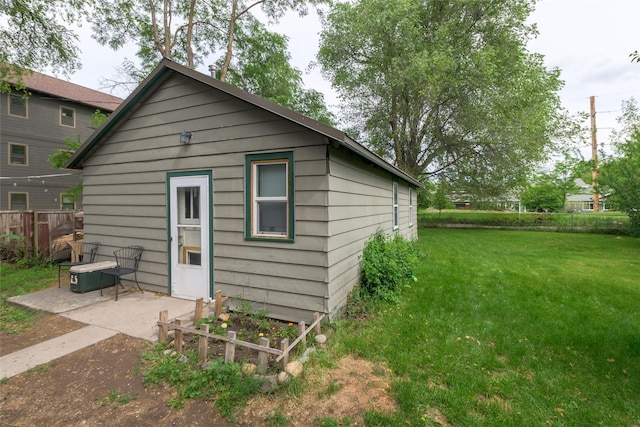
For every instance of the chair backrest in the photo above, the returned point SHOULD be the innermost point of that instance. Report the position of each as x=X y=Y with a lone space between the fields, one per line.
x=129 y=257
x=89 y=251
x=84 y=252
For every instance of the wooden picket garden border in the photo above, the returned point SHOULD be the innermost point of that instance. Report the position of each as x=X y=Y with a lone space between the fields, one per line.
x=263 y=348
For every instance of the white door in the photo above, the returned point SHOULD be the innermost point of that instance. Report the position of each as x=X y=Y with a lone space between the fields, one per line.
x=190 y=219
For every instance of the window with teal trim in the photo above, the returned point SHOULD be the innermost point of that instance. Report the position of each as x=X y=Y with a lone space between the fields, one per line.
x=269 y=196
x=396 y=214
x=410 y=207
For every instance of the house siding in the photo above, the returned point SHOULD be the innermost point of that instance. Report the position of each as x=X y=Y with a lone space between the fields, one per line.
x=125 y=194
x=42 y=133
x=360 y=199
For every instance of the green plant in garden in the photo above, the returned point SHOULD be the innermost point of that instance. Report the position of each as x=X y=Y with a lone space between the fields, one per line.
x=223 y=382
x=387 y=262
x=116 y=397
x=277 y=419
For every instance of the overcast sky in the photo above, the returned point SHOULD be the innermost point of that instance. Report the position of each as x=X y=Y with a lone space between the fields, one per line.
x=589 y=40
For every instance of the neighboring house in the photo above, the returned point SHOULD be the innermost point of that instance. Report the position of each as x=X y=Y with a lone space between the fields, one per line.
x=261 y=202
x=32 y=127
x=582 y=200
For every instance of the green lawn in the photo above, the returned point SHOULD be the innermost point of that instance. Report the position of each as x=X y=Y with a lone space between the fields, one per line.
x=512 y=328
x=502 y=328
x=15 y=280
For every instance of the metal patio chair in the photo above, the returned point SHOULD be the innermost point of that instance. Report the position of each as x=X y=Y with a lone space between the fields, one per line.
x=78 y=257
x=127 y=260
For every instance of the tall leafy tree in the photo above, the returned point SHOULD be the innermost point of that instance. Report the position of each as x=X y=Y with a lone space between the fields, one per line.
x=445 y=87
x=262 y=67
x=186 y=31
x=238 y=10
x=36 y=34
x=620 y=173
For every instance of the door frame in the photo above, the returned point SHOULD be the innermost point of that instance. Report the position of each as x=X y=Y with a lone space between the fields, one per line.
x=185 y=174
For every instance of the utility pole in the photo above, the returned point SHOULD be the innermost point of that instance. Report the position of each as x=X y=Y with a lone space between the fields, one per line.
x=594 y=156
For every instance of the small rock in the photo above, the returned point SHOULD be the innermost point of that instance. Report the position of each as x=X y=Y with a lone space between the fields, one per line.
x=269 y=382
x=294 y=368
x=305 y=356
x=321 y=338
x=183 y=358
x=224 y=317
x=283 y=378
x=249 y=368
x=167 y=352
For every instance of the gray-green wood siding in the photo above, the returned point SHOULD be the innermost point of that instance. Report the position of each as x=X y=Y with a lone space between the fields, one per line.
x=360 y=202
x=125 y=195
x=42 y=133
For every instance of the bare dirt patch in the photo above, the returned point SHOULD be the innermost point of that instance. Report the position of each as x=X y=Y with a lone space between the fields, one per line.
x=102 y=385
x=353 y=388
x=46 y=326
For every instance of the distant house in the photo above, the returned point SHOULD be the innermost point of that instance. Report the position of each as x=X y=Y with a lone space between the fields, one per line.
x=228 y=191
x=582 y=200
x=32 y=127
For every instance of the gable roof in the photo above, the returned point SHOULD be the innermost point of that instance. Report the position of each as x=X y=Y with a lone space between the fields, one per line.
x=71 y=92
x=166 y=68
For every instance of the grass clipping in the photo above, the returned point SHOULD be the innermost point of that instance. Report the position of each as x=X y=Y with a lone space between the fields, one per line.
x=353 y=388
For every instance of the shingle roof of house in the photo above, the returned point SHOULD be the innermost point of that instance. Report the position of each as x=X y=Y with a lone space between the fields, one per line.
x=167 y=67
x=70 y=91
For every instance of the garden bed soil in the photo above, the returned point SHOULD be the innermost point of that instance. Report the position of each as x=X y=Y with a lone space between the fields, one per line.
x=91 y=387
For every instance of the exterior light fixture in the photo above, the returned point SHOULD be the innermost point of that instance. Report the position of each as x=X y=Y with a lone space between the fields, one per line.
x=185 y=138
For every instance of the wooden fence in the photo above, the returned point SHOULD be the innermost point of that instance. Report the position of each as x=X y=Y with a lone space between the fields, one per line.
x=231 y=341
x=40 y=229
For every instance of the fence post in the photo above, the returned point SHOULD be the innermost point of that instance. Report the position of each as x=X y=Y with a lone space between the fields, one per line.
x=203 y=343
x=198 y=314
x=218 y=303
x=163 y=329
x=301 y=329
x=177 y=343
x=316 y=329
x=263 y=357
x=285 y=354
x=230 y=348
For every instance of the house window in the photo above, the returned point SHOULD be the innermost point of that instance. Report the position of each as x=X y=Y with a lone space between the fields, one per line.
x=269 y=194
x=396 y=219
x=191 y=202
x=18 y=201
x=67 y=117
x=18 y=154
x=67 y=201
x=410 y=207
x=18 y=106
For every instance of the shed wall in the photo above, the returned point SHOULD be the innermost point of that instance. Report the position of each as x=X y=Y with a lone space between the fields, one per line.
x=125 y=196
x=360 y=203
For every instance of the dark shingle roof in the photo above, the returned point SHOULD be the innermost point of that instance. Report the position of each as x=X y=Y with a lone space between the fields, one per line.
x=72 y=92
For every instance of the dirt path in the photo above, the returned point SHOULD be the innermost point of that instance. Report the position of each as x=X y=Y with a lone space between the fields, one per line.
x=102 y=385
